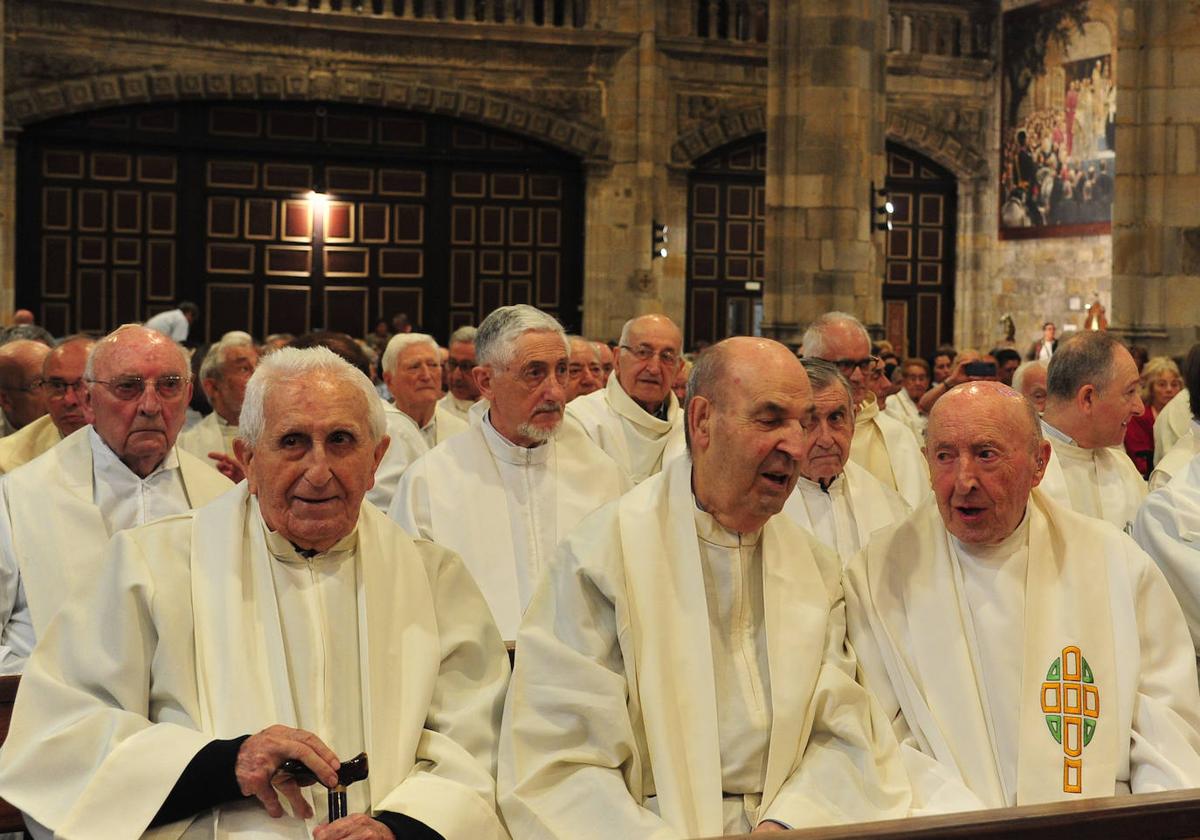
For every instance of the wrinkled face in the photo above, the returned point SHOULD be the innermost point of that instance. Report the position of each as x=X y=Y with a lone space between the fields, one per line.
x=915 y=381
x=64 y=371
x=983 y=464
x=679 y=386
x=1116 y=403
x=416 y=381
x=941 y=367
x=1033 y=387
x=747 y=442
x=648 y=380
x=314 y=461
x=606 y=360
x=227 y=391
x=582 y=367
x=1164 y=388
x=878 y=382
x=460 y=365
x=140 y=430
x=527 y=397
x=846 y=344
x=827 y=444
x=22 y=398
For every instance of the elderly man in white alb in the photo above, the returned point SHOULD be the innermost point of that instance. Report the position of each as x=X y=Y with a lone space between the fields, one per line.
x=506 y=491
x=886 y=447
x=692 y=643
x=223 y=375
x=914 y=379
x=62 y=389
x=416 y=421
x=1029 y=380
x=584 y=374
x=1186 y=445
x=636 y=418
x=285 y=620
x=1035 y=653
x=835 y=499
x=1092 y=392
x=58 y=511
x=463 y=392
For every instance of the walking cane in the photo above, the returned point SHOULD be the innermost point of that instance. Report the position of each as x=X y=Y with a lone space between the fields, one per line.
x=354 y=770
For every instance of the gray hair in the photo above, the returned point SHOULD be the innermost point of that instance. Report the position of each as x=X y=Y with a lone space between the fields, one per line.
x=707 y=373
x=289 y=364
x=813 y=343
x=101 y=346
x=210 y=368
x=463 y=335
x=401 y=342
x=823 y=374
x=1022 y=369
x=571 y=339
x=1084 y=359
x=495 y=342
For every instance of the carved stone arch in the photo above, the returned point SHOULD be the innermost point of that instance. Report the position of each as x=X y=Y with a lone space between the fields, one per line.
x=726 y=127
x=24 y=107
x=910 y=131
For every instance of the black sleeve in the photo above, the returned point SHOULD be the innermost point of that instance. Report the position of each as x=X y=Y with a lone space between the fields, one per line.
x=207 y=781
x=406 y=828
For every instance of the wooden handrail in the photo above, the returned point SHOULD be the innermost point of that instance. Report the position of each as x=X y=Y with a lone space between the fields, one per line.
x=1174 y=815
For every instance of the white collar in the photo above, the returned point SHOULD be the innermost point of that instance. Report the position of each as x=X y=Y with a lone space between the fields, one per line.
x=509 y=452
x=106 y=461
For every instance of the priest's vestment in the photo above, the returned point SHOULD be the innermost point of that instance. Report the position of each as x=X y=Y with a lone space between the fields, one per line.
x=639 y=442
x=844 y=515
x=1171 y=424
x=504 y=508
x=24 y=445
x=900 y=406
x=1054 y=666
x=212 y=434
x=1100 y=482
x=1177 y=458
x=408 y=443
x=58 y=511
x=187 y=638
x=682 y=727
x=453 y=405
x=889 y=450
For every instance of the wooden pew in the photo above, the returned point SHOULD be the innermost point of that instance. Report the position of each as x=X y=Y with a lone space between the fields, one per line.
x=10 y=817
x=1174 y=815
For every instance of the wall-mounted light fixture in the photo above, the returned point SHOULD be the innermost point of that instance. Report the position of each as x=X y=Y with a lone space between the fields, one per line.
x=659 y=241
x=883 y=210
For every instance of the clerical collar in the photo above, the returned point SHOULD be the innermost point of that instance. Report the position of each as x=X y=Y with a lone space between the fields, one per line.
x=822 y=485
x=288 y=552
x=1002 y=550
x=712 y=531
x=104 y=458
x=509 y=452
x=1057 y=434
x=663 y=410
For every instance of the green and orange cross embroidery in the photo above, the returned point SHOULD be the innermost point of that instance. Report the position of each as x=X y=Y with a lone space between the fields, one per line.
x=1071 y=703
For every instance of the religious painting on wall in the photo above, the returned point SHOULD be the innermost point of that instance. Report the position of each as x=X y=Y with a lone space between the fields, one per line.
x=1058 y=119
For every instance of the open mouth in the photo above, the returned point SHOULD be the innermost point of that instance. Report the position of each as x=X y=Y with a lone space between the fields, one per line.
x=967 y=512
x=779 y=479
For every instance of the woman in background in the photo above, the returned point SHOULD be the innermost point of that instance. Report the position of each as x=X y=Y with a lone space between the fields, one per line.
x=1160 y=382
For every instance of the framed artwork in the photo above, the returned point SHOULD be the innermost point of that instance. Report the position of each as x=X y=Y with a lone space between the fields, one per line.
x=1058 y=119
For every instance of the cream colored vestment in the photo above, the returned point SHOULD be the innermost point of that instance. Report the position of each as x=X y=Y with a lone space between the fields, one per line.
x=408 y=443
x=844 y=515
x=24 y=445
x=1100 y=482
x=1177 y=458
x=212 y=434
x=888 y=449
x=1171 y=424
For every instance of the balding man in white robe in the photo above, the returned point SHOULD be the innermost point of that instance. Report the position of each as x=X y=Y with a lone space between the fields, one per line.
x=462 y=393
x=224 y=372
x=506 y=491
x=283 y=621
x=835 y=499
x=691 y=644
x=636 y=418
x=121 y=471
x=1092 y=392
x=884 y=446
x=1029 y=380
x=1036 y=653
x=21 y=400
x=416 y=420
x=62 y=389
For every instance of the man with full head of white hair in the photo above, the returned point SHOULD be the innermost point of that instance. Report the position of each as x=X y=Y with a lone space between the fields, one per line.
x=226 y=369
x=286 y=620
x=886 y=447
x=416 y=420
x=636 y=418
x=120 y=471
x=506 y=491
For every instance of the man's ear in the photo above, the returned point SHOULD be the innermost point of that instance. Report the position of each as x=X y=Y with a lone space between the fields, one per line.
x=699 y=420
x=1040 y=461
x=1085 y=398
x=482 y=375
x=245 y=456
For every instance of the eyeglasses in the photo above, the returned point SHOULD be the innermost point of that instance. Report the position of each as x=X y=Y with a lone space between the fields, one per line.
x=847 y=366
x=57 y=388
x=644 y=353
x=131 y=387
x=465 y=367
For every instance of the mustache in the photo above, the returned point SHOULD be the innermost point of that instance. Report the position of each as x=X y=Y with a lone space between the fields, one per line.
x=549 y=407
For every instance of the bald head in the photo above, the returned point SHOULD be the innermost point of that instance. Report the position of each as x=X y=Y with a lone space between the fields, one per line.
x=22 y=316
x=985 y=453
x=648 y=359
x=62 y=378
x=20 y=374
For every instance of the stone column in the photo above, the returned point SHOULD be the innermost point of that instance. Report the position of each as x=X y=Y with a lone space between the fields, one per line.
x=1156 y=218
x=825 y=145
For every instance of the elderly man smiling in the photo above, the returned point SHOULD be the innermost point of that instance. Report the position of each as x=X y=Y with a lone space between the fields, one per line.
x=1037 y=654
x=285 y=620
x=506 y=491
x=692 y=643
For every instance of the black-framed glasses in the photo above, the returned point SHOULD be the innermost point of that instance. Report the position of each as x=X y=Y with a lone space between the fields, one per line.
x=644 y=353
x=57 y=388
x=131 y=387
x=847 y=366
x=465 y=367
